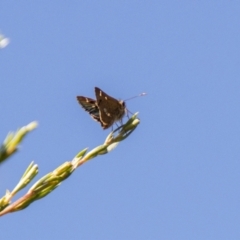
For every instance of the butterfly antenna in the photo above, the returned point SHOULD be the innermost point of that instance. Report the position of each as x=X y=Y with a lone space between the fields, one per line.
x=140 y=95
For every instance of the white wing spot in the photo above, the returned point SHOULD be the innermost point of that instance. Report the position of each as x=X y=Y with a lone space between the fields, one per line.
x=108 y=114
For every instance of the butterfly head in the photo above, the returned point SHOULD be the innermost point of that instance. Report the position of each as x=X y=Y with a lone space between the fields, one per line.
x=121 y=111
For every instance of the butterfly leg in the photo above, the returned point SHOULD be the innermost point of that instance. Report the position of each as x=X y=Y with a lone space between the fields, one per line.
x=128 y=113
x=119 y=127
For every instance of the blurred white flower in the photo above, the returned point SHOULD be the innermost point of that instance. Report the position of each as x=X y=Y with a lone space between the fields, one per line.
x=4 y=41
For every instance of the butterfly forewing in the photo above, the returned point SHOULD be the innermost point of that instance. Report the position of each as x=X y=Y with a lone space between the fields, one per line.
x=110 y=109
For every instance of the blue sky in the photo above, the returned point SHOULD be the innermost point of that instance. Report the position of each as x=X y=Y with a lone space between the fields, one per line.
x=177 y=176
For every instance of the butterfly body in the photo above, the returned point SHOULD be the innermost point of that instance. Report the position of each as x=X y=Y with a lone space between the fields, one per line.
x=105 y=109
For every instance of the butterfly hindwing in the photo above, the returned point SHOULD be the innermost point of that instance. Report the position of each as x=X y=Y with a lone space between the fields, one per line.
x=90 y=105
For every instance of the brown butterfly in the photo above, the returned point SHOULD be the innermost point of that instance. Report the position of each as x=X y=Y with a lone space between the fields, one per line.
x=105 y=109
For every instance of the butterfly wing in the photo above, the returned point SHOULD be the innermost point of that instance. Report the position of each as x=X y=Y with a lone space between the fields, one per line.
x=110 y=109
x=89 y=105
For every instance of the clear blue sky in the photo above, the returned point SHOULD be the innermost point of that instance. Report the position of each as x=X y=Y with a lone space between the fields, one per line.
x=178 y=175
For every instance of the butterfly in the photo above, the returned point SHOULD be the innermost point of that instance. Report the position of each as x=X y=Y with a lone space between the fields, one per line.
x=105 y=109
